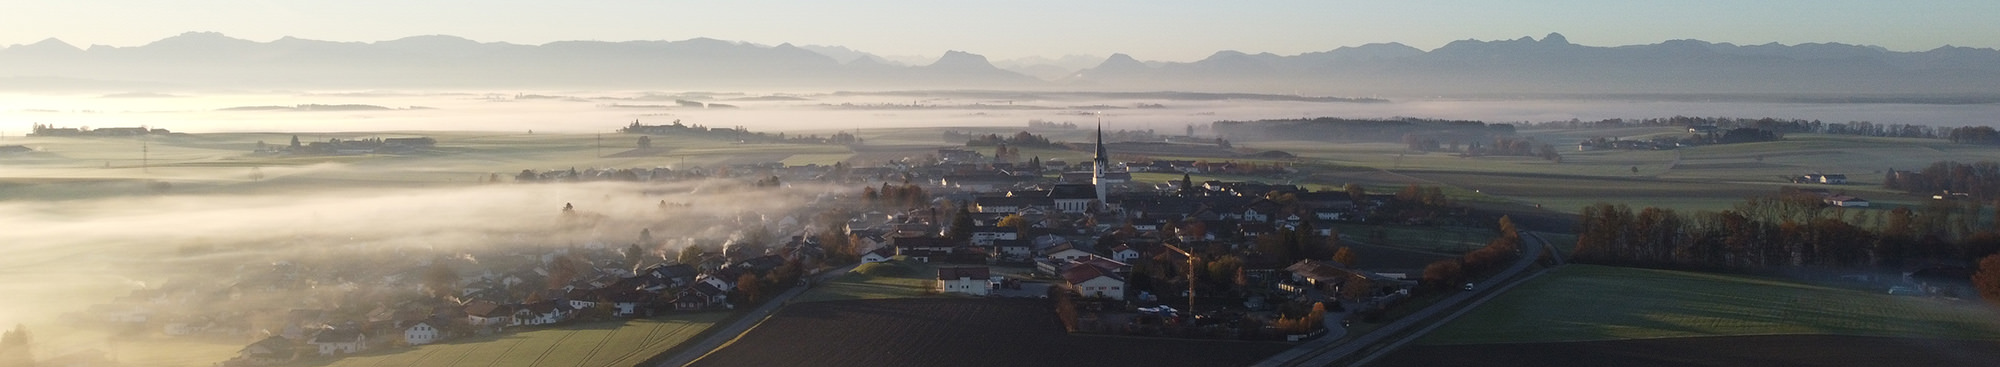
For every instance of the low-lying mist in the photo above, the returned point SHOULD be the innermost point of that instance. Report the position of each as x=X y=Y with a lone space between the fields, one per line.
x=67 y=255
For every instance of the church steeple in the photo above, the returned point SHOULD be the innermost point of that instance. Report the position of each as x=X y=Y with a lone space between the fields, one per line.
x=1100 y=165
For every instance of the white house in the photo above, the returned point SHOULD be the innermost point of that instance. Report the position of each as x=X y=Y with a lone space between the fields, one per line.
x=340 y=341
x=1065 y=252
x=423 y=332
x=975 y=280
x=1124 y=253
x=879 y=255
x=542 y=313
x=1092 y=281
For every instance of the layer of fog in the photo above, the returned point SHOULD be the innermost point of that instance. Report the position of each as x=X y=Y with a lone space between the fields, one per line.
x=67 y=255
x=587 y=111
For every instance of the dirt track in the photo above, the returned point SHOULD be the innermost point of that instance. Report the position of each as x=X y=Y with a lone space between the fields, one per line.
x=957 y=332
x=1731 y=351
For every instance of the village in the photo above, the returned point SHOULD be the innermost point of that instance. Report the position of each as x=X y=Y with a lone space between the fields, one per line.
x=1214 y=259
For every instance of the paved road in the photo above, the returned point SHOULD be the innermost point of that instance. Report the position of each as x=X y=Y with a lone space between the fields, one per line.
x=1326 y=351
x=749 y=319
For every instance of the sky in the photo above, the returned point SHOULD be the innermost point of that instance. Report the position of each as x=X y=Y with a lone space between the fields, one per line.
x=1164 y=30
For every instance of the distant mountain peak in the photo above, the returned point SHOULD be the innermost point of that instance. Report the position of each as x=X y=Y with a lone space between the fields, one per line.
x=1555 y=39
x=955 y=59
x=48 y=45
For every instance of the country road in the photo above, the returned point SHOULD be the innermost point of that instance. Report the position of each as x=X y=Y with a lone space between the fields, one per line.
x=1326 y=351
x=750 y=319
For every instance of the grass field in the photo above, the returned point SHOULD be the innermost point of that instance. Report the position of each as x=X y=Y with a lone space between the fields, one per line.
x=1726 y=351
x=619 y=344
x=1585 y=302
x=912 y=279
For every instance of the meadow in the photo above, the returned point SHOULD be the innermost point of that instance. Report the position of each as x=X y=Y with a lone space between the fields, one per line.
x=617 y=343
x=1588 y=303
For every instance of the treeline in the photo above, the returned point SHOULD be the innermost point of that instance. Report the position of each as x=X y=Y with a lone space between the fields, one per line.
x=1979 y=181
x=1019 y=139
x=1968 y=135
x=1354 y=130
x=894 y=196
x=1792 y=229
x=1974 y=135
x=1486 y=261
x=1498 y=146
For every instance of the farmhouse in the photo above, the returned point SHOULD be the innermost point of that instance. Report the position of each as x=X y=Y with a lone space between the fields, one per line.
x=486 y=313
x=974 y=280
x=338 y=341
x=423 y=332
x=270 y=351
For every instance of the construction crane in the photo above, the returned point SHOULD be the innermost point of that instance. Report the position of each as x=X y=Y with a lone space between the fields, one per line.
x=1191 y=279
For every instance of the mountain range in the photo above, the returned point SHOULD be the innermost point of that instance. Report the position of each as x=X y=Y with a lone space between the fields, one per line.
x=1524 y=66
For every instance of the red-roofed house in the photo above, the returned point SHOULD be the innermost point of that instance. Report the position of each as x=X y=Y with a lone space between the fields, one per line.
x=1092 y=281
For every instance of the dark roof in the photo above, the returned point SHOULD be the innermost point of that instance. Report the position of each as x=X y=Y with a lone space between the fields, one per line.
x=973 y=272
x=484 y=309
x=1080 y=274
x=1073 y=191
x=908 y=242
x=337 y=335
x=674 y=271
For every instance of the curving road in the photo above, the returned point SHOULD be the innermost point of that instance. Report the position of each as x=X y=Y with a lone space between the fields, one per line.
x=743 y=324
x=1326 y=351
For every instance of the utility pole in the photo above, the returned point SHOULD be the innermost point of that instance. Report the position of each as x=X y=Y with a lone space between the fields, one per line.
x=600 y=145
x=145 y=156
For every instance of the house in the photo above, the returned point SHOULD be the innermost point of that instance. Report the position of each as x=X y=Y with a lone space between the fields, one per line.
x=1124 y=253
x=543 y=313
x=628 y=303
x=974 y=280
x=674 y=275
x=423 y=332
x=985 y=235
x=879 y=255
x=1834 y=179
x=336 y=341
x=1092 y=281
x=486 y=313
x=269 y=351
x=701 y=296
x=1065 y=252
x=1846 y=201
x=1013 y=250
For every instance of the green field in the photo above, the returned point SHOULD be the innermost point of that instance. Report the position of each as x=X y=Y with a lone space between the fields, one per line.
x=618 y=344
x=1585 y=303
x=910 y=279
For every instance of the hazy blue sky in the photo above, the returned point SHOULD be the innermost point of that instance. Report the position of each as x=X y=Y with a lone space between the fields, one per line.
x=1155 y=29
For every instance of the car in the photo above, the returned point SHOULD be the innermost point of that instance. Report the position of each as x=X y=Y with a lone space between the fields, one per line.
x=1468 y=286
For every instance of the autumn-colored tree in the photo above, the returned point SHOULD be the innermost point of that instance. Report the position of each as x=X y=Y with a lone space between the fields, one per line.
x=747 y=286
x=1344 y=256
x=1987 y=280
x=1443 y=274
x=440 y=280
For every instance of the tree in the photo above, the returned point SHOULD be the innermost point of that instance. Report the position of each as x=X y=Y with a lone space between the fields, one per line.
x=563 y=270
x=15 y=347
x=645 y=142
x=1987 y=280
x=1344 y=256
x=747 y=285
x=961 y=225
x=1356 y=192
x=1014 y=221
x=441 y=280
x=1443 y=274
x=635 y=256
x=689 y=255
